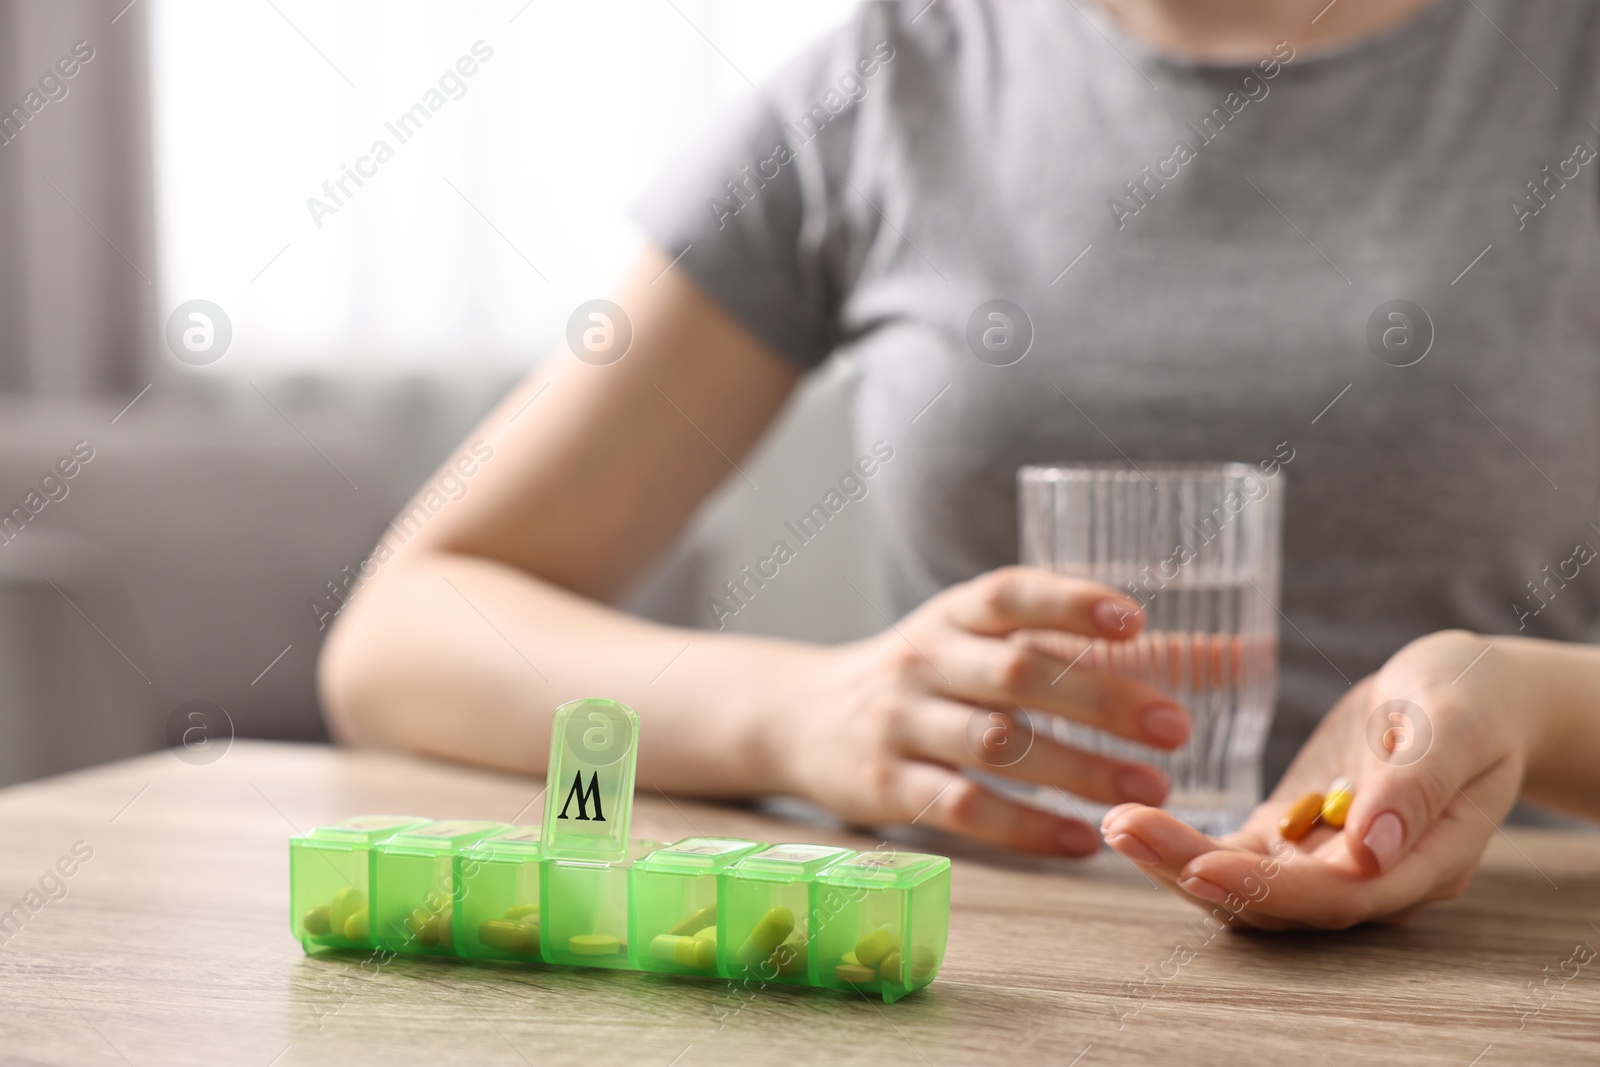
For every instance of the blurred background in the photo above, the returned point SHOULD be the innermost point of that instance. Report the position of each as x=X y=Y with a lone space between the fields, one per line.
x=174 y=164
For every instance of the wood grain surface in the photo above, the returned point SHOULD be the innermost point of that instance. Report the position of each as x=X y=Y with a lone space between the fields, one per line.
x=171 y=945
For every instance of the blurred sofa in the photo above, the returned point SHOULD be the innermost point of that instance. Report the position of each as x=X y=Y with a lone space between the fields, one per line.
x=182 y=559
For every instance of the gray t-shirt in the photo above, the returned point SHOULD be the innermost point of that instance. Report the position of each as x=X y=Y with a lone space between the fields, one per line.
x=1201 y=251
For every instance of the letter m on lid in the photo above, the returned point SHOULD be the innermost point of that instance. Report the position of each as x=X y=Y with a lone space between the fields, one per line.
x=593 y=752
x=584 y=797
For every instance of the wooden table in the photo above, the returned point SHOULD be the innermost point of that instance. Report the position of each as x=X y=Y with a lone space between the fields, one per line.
x=171 y=945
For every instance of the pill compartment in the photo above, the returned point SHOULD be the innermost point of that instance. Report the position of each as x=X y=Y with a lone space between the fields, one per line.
x=497 y=902
x=584 y=909
x=414 y=890
x=764 y=913
x=578 y=892
x=882 y=921
x=672 y=926
x=330 y=881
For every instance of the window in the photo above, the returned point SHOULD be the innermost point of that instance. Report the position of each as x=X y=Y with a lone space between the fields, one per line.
x=514 y=137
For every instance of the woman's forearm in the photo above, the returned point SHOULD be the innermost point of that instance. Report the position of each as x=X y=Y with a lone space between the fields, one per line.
x=492 y=615
x=466 y=658
x=1563 y=682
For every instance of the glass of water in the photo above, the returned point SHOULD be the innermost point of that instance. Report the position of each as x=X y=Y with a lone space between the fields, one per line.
x=1199 y=546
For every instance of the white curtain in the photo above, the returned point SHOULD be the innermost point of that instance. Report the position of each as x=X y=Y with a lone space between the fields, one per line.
x=78 y=265
x=467 y=239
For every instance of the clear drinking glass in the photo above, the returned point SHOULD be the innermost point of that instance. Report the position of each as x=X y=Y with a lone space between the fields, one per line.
x=1199 y=546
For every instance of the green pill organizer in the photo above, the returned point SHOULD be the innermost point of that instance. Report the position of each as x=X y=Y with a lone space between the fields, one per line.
x=578 y=892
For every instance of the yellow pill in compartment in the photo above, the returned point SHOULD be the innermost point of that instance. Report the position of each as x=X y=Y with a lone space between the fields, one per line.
x=923 y=962
x=684 y=950
x=1336 y=806
x=854 y=973
x=355 y=927
x=889 y=966
x=509 y=935
x=445 y=924
x=523 y=912
x=316 y=922
x=871 y=949
x=431 y=929
x=697 y=920
x=771 y=931
x=790 y=958
x=594 y=945
x=1300 y=816
x=708 y=934
x=423 y=926
x=347 y=900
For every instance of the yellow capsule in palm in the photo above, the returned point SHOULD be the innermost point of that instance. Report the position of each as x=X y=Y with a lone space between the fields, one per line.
x=1336 y=806
x=1297 y=821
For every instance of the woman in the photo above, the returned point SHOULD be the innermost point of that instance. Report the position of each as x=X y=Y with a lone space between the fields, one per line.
x=1362 y=238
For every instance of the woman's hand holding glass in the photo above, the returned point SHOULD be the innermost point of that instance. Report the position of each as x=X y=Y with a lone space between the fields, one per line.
x=885 y=727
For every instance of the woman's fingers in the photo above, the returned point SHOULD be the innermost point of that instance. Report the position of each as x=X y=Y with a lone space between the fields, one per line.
x=1021 y=598
x=1171 y=660
x=1326 y=892
x=1402 y=786
x=1159 y=842
x=1266 y=891
x=983 y=669
x=1003 y=741
x=1163 y=847
x=1318 y=882
x=1330 y=889
x=982 y=647
x=951 y=801
x=1304 y=888
x=1433 y=777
